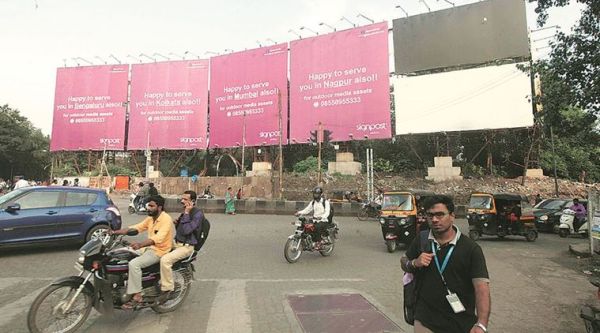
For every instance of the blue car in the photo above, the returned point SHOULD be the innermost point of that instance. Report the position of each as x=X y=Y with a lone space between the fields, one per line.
x=50 y=214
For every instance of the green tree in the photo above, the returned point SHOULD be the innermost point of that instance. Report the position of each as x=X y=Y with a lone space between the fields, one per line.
x=571 y=93
x=24 y=149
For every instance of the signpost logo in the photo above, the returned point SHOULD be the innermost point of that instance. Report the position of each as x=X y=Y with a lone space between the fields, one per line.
x=370 y=127
x=268 y=135
x=190 y=140
x=109 y=141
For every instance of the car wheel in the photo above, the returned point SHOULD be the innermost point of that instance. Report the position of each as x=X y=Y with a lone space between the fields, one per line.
x=96 y=231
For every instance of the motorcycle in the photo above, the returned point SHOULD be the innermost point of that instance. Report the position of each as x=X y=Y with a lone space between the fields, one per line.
x=136 y=205
x=591 y=313
x=302 y=240
x=66 y=303
x=369 y=210
x=566 y=225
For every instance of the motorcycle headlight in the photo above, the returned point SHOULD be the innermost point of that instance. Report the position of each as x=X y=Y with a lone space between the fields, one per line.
x=402 y=221
x=544 y=218
x=468 y=216
x=382 y=220
x=80 y=260
x=482 y=217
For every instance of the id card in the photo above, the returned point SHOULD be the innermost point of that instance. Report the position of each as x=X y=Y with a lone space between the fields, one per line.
x=455 y=303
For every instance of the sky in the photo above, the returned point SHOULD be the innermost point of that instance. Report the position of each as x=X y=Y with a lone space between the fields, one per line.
x=39 y=36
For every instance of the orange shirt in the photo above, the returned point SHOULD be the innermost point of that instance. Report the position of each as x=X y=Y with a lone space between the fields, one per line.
x=161 y=232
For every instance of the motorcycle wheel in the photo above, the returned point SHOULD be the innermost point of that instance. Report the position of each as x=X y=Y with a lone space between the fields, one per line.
x=131 y=210
x=328 y=249
x=363 y=215
x=289 y=251
x=182 y=289
x=391 y=245
x=563 y=233
x=45 y=314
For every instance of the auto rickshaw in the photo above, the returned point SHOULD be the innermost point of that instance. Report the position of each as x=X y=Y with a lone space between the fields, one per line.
x=402 y=216
x=501 y=214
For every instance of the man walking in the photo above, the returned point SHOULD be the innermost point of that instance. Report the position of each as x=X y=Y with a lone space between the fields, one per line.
x=452 y=276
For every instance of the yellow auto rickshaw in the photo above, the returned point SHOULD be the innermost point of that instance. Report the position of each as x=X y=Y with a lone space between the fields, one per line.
x=402 y=216
x=500 y=214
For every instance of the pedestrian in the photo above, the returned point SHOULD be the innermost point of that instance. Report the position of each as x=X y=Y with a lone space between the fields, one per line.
x=229 y=201
x=54 y=182
x=21 y=182
x=76 y=182
x=538 y=199
x=452 y=292
x=65 y=182
x=238 y=196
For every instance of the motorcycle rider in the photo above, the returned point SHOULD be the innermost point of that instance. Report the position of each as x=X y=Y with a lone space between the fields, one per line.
x=580 y=213
x=159 y=242
x=141 y=196
x=320 y=207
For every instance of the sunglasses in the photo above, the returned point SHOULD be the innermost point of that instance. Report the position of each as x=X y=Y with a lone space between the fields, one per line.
x=436 y=214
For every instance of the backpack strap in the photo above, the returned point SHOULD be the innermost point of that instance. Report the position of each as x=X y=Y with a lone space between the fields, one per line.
x=423 y=241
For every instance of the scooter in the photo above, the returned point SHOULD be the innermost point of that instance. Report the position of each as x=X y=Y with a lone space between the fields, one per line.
x=136 y=206
x=566 y=228
x=591 y=313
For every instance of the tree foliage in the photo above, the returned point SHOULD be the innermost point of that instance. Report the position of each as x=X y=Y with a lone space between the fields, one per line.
x=24 y=150
x=571 y=94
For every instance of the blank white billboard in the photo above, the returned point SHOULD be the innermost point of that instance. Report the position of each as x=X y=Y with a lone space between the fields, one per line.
x=473 y=99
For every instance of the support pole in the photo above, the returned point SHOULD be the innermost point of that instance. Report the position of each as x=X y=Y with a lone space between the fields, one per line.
x=319 y=140
x=554 y=164
x=244 y=146
x=280 y=146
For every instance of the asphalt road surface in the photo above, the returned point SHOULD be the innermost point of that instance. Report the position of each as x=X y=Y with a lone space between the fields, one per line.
x=244 y=284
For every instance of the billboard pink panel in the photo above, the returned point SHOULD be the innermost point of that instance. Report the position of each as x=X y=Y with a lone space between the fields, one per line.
x=169 y=104
x=342 y=81
x=244 y=88
x=89 y=108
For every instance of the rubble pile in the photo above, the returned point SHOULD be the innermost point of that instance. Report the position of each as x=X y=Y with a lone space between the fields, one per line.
x=296 y=186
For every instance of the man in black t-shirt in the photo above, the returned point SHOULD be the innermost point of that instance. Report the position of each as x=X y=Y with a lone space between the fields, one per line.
x=452 y=277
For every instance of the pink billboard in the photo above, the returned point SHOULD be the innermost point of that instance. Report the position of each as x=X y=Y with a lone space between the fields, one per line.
x=89 y=108
x=169 y=104
x=341 y=80
x=244 y=90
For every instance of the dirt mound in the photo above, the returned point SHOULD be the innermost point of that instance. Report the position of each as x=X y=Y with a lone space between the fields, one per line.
x=297 y=186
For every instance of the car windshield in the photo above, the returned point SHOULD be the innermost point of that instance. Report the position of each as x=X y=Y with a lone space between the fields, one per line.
x=10 y=195
x=552 y=204
x=480 y=202
x=397 y=202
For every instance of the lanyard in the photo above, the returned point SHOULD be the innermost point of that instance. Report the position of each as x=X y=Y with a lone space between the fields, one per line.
x=444 y=264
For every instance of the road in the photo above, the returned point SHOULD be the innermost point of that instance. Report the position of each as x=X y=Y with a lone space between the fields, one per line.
x=243 y=282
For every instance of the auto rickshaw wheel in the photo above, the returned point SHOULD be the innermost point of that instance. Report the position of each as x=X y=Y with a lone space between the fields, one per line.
x=391 y=245
x=531 y=235
x=474 y=235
